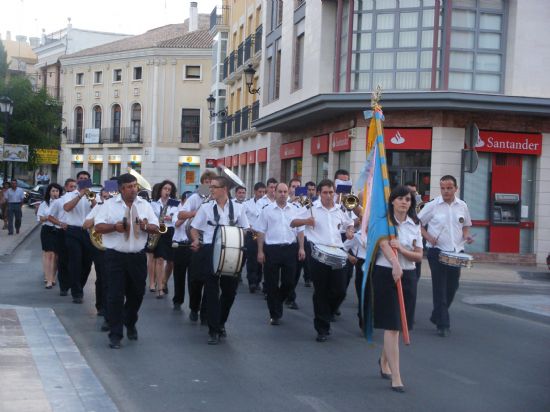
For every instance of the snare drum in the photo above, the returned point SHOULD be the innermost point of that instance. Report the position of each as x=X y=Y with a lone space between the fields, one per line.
x=332 y=256
x=457 y=260
x=227 y=256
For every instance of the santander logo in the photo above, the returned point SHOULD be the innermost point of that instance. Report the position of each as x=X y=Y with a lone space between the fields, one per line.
x=397 y=139
x=479 y=141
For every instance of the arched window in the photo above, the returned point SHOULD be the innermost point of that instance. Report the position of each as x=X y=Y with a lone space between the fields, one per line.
x=135 y=133
x=96 y=121
x=115 y=122
x=78 y=123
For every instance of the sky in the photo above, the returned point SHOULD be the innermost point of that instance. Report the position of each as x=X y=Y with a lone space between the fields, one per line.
x=29 y=17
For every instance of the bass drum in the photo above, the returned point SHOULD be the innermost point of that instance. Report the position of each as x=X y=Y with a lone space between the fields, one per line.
x=228 y=250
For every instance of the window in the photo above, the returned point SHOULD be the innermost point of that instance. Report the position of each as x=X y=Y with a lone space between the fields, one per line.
x=79 y=79
x=96 y=120
x=115 y=122
x=192 y=72
x=117 y=75
x=190 y=125
x=276 y=14
x=277 y=84
x=135 y=131
x=78 y=123
x=299 y=55
x=138 y=73
x=98 y=77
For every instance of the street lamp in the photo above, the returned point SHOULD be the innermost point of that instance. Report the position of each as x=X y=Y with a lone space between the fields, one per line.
x=211 y=100
x=6 y=107
x=249 y=73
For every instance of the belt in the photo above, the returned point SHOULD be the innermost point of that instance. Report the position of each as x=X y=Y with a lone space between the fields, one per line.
x=14 y=203
x=141 y=252
x=75 y=227
x=281 y=244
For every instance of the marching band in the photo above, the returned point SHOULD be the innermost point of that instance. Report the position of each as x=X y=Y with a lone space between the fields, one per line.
x=206 y=237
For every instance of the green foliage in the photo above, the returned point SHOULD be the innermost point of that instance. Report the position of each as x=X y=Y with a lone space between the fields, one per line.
x=3 y=63
x=36 y=119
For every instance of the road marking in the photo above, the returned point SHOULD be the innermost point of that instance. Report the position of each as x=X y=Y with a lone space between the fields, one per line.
x=459 y=378
x=318 y=405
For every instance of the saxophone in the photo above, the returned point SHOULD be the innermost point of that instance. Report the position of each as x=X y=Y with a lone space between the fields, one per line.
x=153 y=240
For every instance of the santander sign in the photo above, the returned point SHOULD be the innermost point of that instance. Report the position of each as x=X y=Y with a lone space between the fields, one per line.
x=503 y=142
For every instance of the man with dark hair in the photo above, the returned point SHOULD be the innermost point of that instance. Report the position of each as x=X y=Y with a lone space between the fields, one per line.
x=125 y=221
x=290 y=301
x=270 y=192
x=77 y=240
x=220 y=211
x=252 y=209
x=240 y=194
x=311 y=189
x=341 y=174
x=449 y=222
x=15 y=197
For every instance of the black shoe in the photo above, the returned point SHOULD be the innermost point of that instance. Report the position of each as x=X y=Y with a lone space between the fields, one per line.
x=321 y=337
x=193 y=316
x=105 y=326
x=400 y=389
x=293 y=305
x=63 y=293
x=131 y=333
x=222 y=333
x=443 y=332
x=337 y=312
x=114 y=343
x=275 y=321
x=252 y=288
x=213 y=339
x=177 y=307
x=382 y=374
x=77 y=300
x=332 y=318
x=307 y=284
x=165 y=290
x=204 y=321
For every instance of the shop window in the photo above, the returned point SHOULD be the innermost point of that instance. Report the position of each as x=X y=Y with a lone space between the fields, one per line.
x=344 y=160
x=528 y=175
x=322 y=167
x=115 y=169
x=291 y=168
x=477 y=189
x=262 y=172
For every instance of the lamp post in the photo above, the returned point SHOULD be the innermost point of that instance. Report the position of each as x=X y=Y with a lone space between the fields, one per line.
x=249 y=73
x=6 y=107
x=211 y=101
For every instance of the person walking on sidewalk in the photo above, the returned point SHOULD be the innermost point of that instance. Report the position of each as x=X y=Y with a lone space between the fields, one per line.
x=15 y=196
x=4 y=204
x=449 y=222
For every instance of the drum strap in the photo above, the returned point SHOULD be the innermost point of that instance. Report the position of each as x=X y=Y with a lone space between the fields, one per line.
x=217 y=215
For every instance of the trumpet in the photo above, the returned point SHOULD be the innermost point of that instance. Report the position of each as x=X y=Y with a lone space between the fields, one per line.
x=90 y=195
x=349 y=201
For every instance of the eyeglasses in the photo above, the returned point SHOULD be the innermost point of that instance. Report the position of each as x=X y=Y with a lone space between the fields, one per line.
x=215 y=187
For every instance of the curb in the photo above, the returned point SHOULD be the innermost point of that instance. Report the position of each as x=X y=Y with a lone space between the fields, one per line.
x=21 y=240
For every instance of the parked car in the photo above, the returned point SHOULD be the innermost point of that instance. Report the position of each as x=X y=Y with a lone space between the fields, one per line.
x=36 y=195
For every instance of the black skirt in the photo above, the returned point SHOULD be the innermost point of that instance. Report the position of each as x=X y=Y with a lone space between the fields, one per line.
x=164 y=246
x=385 y=303
x=48 y=238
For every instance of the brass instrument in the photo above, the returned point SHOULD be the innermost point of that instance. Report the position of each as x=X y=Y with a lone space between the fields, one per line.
x=153 y=240
x=420 y=206
x=90 y=195
x=349 y=201
x=305 y=201
x=96 y=238
x=142 y=183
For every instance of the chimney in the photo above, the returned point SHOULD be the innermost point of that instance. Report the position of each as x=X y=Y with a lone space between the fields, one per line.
x=193 y=17
x=34 y=41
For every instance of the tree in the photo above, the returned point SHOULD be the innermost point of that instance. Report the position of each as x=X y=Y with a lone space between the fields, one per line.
x=36 y=119
x=3 y=63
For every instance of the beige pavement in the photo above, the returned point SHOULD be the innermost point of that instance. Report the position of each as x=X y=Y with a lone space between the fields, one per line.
x=28 y=223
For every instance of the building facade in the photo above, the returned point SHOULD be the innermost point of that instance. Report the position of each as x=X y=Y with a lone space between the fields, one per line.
x=135 y=103
x=456 y=75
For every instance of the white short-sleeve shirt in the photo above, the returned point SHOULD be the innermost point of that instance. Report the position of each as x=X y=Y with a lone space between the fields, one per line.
x=274 y=222
x=170 y=211
x=204 y=219
x=78 y=214
x=44 y=211
x=409 y=236
x=328 y=224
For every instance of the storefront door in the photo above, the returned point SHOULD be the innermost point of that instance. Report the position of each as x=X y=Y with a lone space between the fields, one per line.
x=189 y=178
x=418 y=175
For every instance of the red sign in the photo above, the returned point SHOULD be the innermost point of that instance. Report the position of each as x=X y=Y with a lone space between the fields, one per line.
x=408 y=139
x=319 y=144
x=503 y=142
x=220 y=162
x=228 y=161
x=341 y=141
x=211 y=163
x=235 y=160
x=262 y=155
x=291 y=150
x=242 y=159
x=251 y=157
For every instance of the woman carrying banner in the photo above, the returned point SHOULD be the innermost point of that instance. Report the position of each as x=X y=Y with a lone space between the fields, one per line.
x=392 y=265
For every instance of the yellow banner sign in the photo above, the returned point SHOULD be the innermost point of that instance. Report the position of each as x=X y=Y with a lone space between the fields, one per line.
x=47 y=156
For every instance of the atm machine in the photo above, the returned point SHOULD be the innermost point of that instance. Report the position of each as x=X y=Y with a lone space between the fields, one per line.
x=505 y=220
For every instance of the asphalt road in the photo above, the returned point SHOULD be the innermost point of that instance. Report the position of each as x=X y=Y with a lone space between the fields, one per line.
x=493 y=361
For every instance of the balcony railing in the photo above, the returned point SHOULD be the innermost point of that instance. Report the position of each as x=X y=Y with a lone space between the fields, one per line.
x=240 y=54
x=225 y=68
x=248 y=44
x=258 y=39
x=245 y=123
x=231 y=62
x=229 y=126
x=237 y=122
x=107 y=135
x=221 y=130
x=219 y=19
x=255 y=110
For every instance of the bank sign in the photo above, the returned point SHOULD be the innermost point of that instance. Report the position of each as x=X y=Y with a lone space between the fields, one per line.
x=502 y=142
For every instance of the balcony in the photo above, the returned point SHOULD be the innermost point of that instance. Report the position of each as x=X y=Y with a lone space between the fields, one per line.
x=219 y=21
x=248 y=45
x=225 y=68
x=229 y=126
x=240 y=54
x=258 y=40
x=111 y=135
x=237 y=122
x=231 y=63
x=245 y=118
x=255 y=110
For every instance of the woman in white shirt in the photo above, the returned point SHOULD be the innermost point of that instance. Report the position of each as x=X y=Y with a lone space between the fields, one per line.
x=392 y=265
x=48 y=234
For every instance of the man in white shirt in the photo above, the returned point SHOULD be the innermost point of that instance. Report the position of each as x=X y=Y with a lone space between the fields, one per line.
x=77 y=241
x=449 y=222
x=323 y=221
x=270 y=192
x=279 y=248
x=182 y=257
x=124 y=222
x=240 y=194
x=220 y=211
x=14 y=197
x=252 y=209
x=290 y=301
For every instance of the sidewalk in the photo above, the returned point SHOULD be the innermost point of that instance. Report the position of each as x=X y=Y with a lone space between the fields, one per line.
x=28 y=223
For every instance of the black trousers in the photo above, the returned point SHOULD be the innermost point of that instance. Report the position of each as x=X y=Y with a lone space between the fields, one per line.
x=280 y=275
x=300 y=264
x=62 y=262
x=195 y=284
x=444 y=286
x=329 y=292
x=220 y=292
x=79 y=261
x=359 y=275
x=253 y=269
x=98 y=257
x=14 y=214
x=182 y=261
x=126 y=274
